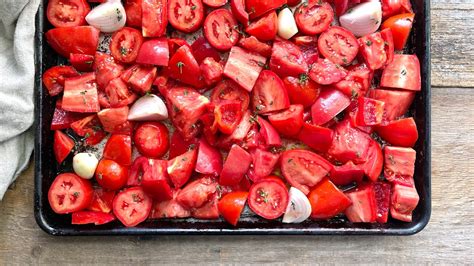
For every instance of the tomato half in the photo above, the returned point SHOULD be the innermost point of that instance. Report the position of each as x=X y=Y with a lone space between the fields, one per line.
x=111 y=175
x=75 y=40
x=181 y=167
x=69 y=193
x=338 y=45
x=82 y=62
x=62 y=146
x=304 y=169
x=265 y=28
x=151 y=139
x=91 y=217
x=287 y=59
x=235 y=166
x=133 y=10
x=402 y=73
x=90 y=128
x=80 y=94
x=325 y=72
x=401 y=26
x=231 y=206
x=54 y=78
x=119 y=148
x=257 y=8
x=288 y=122
x=253 y=44
x=227 y=90
x=329 y=104
x=349 y=144
x=197 y=193
x=301 y=90
x=185 y=15
x=327 y=200
x=154 y=17
x=364 y=206
x=268 y=198
x=67 y=13
x=314 y=17
x=184 y=67
x=316 y=137
x=269 y=93
x=244 y=67
x=401 y=132
x=125 y=44
x=219 y=29
x=132 y=206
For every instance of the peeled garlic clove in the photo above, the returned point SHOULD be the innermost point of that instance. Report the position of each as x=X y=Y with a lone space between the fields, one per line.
x=363 y=19
x=148 y=108
x=84 y=164
x=298 y=209
x=286 y=24
x=108 y=17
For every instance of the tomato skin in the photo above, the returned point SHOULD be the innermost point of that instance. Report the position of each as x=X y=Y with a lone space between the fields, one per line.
x=132 y=206
x=253 y=44
x=81 y=62
x=106 y=69
x=374 y=164
x=269 y=93
x=80 y=94
x=201 y=50
x=154 y=52
x=119 y=148
x=155 y=181
x=372 y=49
x=370 y=111
x=211 y=70
x=54 y=78
x=403 y=201
x=169 y=209
x=154 y=17
x=101 y=201
x=238 y=10
x=67 y=13
x=181 y=167
x=75 y=40
x=125 y=44
x=268 y=198
x=287 y=59
x=111 y=175
x=186 y=16
x=209 y=159
x=184 y=67
x=316 y=137
x=263 y=163
x=235 y=166
x=396 y=102
x=151 y=139
x=62 y=146
x=400 y=25
x=133 y=10
x=364 y=206
x=349 y=144
x=304 y=169
x=91 y=217
x=219 y=29
x=399 y=165
x=314 y=17
x=231 y=206
x=301 y=91
x=69 y=193
x=256 y=8
x=382 y=198
x=288 y=122
x=265 y=28
x=325 y=72
x=346 y=174
x=329 y=104
x=329 y=45
x=90 y=128
x=197 y=193
x=327 y=200
x=401 y=132
x=244 y=67
x=402 y=73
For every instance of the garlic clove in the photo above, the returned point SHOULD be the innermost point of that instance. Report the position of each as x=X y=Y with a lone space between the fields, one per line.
x=84 y=164
x=148 y=108
x=108 y=17
x=299 y=207
x=286 y=24
x=363 y=19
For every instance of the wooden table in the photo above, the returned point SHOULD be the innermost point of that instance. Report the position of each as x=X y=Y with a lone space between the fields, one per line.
x=448 y=238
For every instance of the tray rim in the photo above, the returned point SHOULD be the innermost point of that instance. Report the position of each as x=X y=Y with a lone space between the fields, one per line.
x=49 y=229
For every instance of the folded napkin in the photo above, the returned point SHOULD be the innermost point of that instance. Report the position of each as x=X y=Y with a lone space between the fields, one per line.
x=17 y=71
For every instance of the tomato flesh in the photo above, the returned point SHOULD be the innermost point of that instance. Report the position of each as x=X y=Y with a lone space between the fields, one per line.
x=287 y=59
x=289 y=122
x=154 y=17
x=80 y=94
x=364 y=206
x=54 y=78
x=402 y=73
x=327 y=200
x=219 y=29
x=132 y=206
x=69 y=193
x=399 y=164
x=244 y=67
x=185 y=15
x=125 y=44
x=67 y=13
x=268 y=198
x=151 y=139
x=269 y=93
x=73 y=40
x=181 y=167
x=338 y=45
x=265 y=28
x=235 y=166
x=231 y=206
x=317 y=137
x=314 y=17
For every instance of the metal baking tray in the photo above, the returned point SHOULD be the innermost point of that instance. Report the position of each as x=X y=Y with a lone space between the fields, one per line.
x=45 y=166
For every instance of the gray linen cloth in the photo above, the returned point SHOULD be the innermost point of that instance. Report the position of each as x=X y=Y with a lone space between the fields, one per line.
x=17 y=70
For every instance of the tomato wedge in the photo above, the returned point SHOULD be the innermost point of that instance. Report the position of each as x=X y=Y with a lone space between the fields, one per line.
x=63 y=119
x=219 y=29
x=184 y=67
x=202 y=49
x=238 y=10
x=314 y=17
x=396 y=102
x=269 y=93
x=372 y=49
x=370 y=111
x=399 y=165
x=91 y=217
x=374 y=164
x=263 y=163
x=265 y=28
x=244 y=67
x=211 y=71
x=102 y=201
x=119 y=149
x=155 y=180
x=133 y=10
x=169 y=209
x=301 y=90
x=54 y=78
x=227 y=116
x=69 y=193
x=67 y=13
x=125 y=44
x=106 y=69
x=209 y=159
x=257 y=8
x=75 y=40
x=382 y=198
x=197 y=193
x=402 y=73
x=253 y=44
x=338 y=45
x=346 y=174
x=401 y=132
x=316 y=137
x=268 y=198
x=288 y=122
x=81 y=62
x=364 y=206
x=401 y=26
x=62 y=146
x=181 y=167
x=235 y=166
x=90 y=128
x=80 y=94
x=329 y=104
x=185 y=15
x=227 y=90
x=154 y=17
x=325 y=72
x=327 y=200
x=132 y=206
x=287 y=59
x=349 y=144
x=231 y=206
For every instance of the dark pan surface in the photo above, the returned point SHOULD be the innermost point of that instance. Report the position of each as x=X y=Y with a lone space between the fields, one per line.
x=45 y=166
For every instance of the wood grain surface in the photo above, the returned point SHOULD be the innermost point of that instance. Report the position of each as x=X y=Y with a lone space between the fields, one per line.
x=448 y=238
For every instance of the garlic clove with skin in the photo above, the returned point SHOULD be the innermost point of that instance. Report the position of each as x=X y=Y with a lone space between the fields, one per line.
x=363 y=19
x=148 y=108
x=286 y=24
x=108 y=17
x=84 y=164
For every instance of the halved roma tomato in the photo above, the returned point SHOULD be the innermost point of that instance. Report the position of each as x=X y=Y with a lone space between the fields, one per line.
x=209 y=159
x=73 y=40
x=169 y=209
x=185 y=15
x=372 y=49
x=54 y=78
x=253 y=44
x=211 y=71
x=396 y=102
x=349 y=144
x=403 y=201
x=151 y=139
x=81 y=62
x=399 y=165
x=256 y=8
x=329 y=104
x=401 y=26
x=125 y=44
x=314 y=17
x=231 y=206
x=67 y=13
x=102 y=200
x=219 y=29
x=202 y=49
x=401 y=132
x=133 y=10
x=304 y=169
x=374 y=164
x=197 y=193
x=132 y=206
x=119 y=149
x=80 y=94
x=346 y=174
x=370 y=111
x=287 y=59
x=364 y=206
x=244 y=67
x=69 y=193
x=155 y=180
x=269 y=93
x=382 y=198
x=235 y=166
x=238 y=10
x=227 y=116
x=90 y=128
x=154 y=17
x=325 y=72
x=268 y=198
x=111 y=175
x=91 y=217
x=288 y=122
x=265 y=28
x=227 y=90
x=327 y=200
x=316 y=137
x=301 y=90
x=62 y=146
x=106 y=69
x=402 y=73
x=338 y=45
x=184 y=67
x=181 y=167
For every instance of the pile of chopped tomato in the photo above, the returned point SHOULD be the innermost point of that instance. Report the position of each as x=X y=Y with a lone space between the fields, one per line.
x=234 y=97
